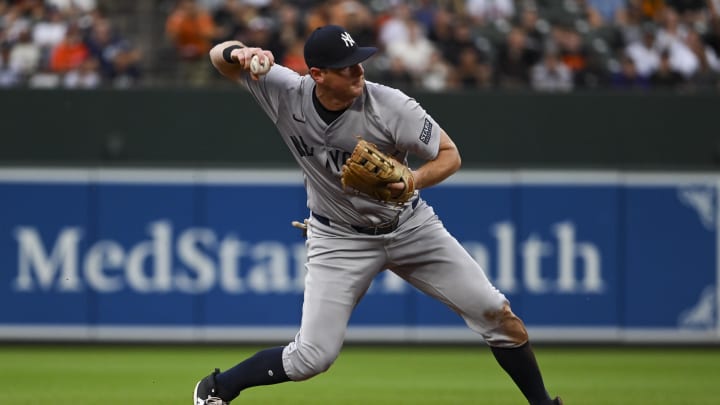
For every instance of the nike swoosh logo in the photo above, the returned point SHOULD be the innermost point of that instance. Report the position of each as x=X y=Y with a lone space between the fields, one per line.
x=297 y=119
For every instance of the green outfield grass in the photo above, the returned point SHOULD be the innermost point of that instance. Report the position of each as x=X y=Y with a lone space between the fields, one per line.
x=71 y=374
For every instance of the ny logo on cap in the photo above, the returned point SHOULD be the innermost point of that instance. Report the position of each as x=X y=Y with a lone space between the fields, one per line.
x=347 y=39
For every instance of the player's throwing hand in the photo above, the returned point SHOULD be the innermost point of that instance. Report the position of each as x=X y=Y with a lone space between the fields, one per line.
x=239 y=59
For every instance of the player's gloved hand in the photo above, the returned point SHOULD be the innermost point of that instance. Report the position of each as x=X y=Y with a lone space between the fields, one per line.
x=374 y=173
x=396 y=189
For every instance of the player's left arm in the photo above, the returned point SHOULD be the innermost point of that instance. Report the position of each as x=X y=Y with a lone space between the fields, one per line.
x=446 y=162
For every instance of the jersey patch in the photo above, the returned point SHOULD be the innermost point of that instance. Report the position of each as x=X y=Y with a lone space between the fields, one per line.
x=426 y=133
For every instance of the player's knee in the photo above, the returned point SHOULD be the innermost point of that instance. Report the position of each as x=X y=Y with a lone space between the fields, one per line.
x=321 y=364
x=310 y=360
x=510 y=330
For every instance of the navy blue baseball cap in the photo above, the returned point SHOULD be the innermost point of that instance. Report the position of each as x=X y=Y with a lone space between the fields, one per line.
x=333 y=47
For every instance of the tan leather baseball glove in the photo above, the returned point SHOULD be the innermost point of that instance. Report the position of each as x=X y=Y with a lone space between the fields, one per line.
x=370 y=171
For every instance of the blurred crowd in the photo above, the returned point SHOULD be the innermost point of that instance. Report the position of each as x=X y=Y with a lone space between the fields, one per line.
x=63 y=44
x=545 y=45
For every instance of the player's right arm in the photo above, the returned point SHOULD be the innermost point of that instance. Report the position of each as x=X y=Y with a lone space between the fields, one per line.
x=232 y=58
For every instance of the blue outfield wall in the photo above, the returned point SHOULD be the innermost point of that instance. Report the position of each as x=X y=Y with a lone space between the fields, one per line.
x=209 y=255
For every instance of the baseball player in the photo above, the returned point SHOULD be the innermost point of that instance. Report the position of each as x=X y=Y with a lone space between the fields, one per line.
x=335 y=123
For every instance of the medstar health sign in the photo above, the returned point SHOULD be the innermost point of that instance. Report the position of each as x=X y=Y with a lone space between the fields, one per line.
x=185 y=254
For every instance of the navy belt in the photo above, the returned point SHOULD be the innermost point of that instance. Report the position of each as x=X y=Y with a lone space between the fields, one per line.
x=369 y=230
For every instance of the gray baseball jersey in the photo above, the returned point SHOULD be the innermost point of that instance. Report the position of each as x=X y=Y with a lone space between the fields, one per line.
x=342 y=262
x=397 y=124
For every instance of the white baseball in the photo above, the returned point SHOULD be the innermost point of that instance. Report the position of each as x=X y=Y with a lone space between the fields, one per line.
x=258 y=66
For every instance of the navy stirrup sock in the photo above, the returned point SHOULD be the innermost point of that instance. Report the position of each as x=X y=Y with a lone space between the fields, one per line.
x=520 y=364
x=264 y=368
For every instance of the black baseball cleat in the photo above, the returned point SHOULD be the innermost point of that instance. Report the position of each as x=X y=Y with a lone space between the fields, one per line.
x=205 y=393
x=557 y=401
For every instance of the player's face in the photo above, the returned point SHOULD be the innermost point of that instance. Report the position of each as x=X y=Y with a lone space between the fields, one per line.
x=347 y=82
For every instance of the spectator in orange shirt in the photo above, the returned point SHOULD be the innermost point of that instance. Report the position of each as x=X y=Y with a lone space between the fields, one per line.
x=191 y=29
x=70 y=53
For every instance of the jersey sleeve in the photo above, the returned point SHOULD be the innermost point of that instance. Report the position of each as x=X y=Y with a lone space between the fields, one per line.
x=272 y=88
x=413 y=129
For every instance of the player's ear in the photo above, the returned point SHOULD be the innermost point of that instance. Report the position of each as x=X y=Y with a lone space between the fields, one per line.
x=317 y=74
